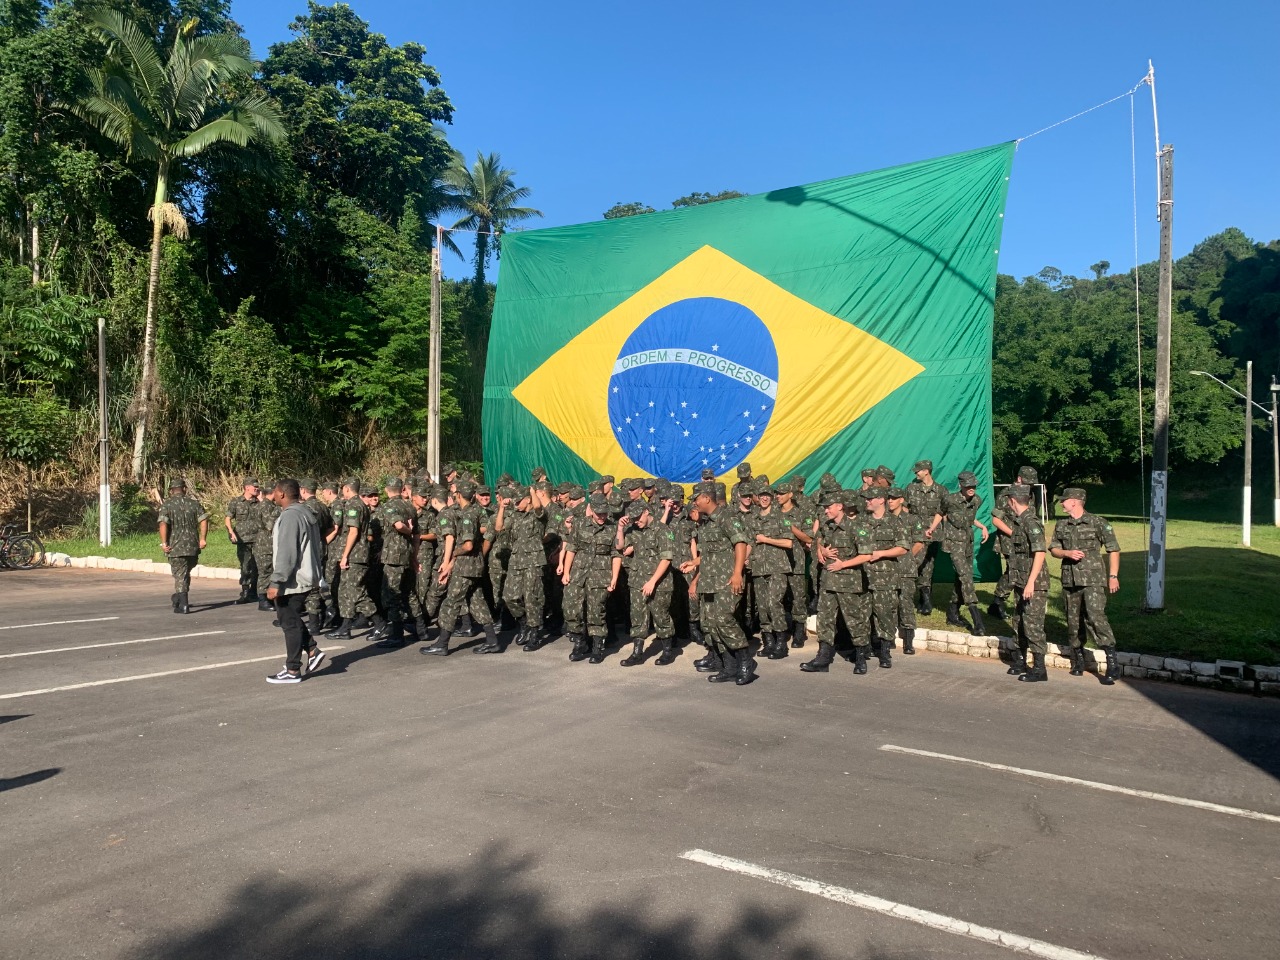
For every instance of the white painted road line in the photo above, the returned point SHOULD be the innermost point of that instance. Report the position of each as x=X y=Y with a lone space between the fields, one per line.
x=926 y=918
x=56 y=623
x=144 y=676
x=117 y=643
x=1091 y=784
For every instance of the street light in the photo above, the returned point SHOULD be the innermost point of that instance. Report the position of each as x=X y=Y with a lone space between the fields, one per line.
x=1248 y=442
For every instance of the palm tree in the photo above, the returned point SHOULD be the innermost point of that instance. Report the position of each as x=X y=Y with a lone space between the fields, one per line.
x=164 y=99
x=486 y=194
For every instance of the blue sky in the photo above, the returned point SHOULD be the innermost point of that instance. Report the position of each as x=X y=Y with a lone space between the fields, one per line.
x=595 y=103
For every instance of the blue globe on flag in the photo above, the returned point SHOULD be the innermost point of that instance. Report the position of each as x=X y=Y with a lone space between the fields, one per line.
x=693 y=387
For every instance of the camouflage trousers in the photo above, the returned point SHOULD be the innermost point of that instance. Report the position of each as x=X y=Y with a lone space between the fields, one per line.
x=1027 y=619
x=655 y=610
x=720 y=620
x=180 y=567
x=797 y=594
x=855 y=608
x=924 y=572
x=248 y=566
x=525 y=595
x=885 y=603
x=906 y=603
x=430 y=591
x=262 y=548
x=398 y=594
x=962 y=591
x=499 y=570
x=353 y=591
x=332 y=574
x=690 y=606
x=584 y=607
x=1092 y=603
x=773 y=602
x=1005 y=584
x=464 y=595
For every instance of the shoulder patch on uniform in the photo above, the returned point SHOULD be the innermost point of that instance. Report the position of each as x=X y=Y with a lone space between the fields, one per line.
x=353 y=513
x=862 y=533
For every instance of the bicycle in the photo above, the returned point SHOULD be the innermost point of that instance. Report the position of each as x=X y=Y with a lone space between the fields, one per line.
x=20 y=551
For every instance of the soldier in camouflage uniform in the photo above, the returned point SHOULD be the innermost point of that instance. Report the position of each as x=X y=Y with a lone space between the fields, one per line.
x=890 y=542
x=651 y=547
x=242 y=529
x=462 y=528
x=907 y=567
x=497 y=551
x=1077 y=540
x=844 y=547
x=330 y=494
x=1029 y=577
x=592 y=568
x=314 y=603
x=1002 y=519
x=431 y=591
x=354 y=537
x=795 y=512
x=771 y=562
x=960 y=513
x=396 y=518
x=183 y=528
x=745 y=480
x=266 y=512
x=924 y=500
x=684 y=596
x=722 y=544
x=522 y=516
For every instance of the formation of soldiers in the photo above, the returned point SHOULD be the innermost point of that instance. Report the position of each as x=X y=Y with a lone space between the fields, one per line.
x=434 y=560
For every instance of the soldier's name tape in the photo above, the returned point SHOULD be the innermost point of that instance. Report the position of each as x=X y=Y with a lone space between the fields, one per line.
x=900 y=911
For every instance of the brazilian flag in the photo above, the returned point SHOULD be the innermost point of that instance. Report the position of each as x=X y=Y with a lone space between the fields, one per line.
x=819 y=328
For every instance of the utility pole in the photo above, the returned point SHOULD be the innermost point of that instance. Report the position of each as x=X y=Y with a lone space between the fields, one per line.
x=1275 y=449
x=1248 y=452
x=433 y=364
x=1160 y=447
x=104 y=453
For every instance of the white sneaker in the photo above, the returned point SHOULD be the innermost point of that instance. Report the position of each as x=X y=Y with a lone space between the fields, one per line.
x=284 y=676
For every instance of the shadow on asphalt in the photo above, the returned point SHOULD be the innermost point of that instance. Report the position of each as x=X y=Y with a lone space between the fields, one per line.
x=490 y=909
x=13 y=783
x=12 y=717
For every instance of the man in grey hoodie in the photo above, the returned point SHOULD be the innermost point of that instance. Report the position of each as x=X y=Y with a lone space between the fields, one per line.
x=296 y=569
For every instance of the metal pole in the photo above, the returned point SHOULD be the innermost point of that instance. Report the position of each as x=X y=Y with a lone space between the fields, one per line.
x=1275 y=449
x=433 y=364
x=104 y=465
x=1160 y=447
x=1248 y=452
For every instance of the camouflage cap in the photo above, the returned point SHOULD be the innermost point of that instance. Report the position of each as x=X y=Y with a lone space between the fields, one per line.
x=1018 y=491
x=637 y=510
x=507 y=480
x=564 y=487
x=516 y=491
x=744 y=469
x=674 y=492
x=922 y=465
x=868 y=472
x=250 y=482
x=176 y=483
x=538 y=473
x=875 y=493
x=828 y=482
x=465 y=488
x=631 y=483
x=650 y=483
x=1028 y=475
x=895 y=493
x=394 y=485
x=708 y=473
x=763 y=479
x=783 y=487
x=482 y=490
x=595 y=486
x=599 y=504
x=446 y=469
x=884 y=473
x=329 y=486
x=576 y=492
x=543 y=485
x=307 y=483
x=798 y=481
x=353 y=483
x=1072 y=493
x=607 y=478
x=368 y=490
x=763 y=489
x=967 y=479
x=706 y=488
x=439 y=492
x=829 y=496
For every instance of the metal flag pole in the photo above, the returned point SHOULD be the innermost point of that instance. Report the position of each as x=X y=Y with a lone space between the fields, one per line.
x=104 y=449
x=433 y=364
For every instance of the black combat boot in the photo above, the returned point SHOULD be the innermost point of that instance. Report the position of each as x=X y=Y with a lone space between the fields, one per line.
x=885 y=654
x=780 y=646
x=1113 y=668
x=728 y=667
x=466 y=627
x=695 y=633
x=746 y=667
x=997 y=609
x=926 y=601
x=597 y=650
x=173 y=601
x=908 y=640
x=797 y=634
x=637 y=654
x=420 y=628
x=860 y=659
x=343 y=632
x=953 y=614
x=579 y=650
x=438 y=649
x=247 y=595
x=380 y=628
x=668 y=652
x=711 y=663
x=533 y=639
x=360 y=622
x=979 y=628
x=1018 y=660
x=331 y=618
x=314 y=623
x=1077 y=662
x=1037 y=673
x=184 y=605
x=822 y=662
x=265 y=604
x=394 y=636
x=490 y=644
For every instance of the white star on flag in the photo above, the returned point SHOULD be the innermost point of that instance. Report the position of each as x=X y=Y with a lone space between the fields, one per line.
x=715 y=348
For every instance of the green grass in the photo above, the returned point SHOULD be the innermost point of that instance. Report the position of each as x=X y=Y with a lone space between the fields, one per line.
x=1220 y=598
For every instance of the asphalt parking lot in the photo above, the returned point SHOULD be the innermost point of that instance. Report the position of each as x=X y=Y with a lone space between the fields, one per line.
x=160 y=800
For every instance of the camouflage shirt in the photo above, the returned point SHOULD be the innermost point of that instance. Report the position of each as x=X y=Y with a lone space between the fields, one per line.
x=765 y=557
x=886 y=533
x=355 y=516
x=593 y=546
x=1002 y=511
x=1091 y=534
x=653 y=544
x=244 y=519
x=718 y=535
x=958 y=515
x=914 y=527
x=849 y=537
x=1027 y=540
x=683 y=530
x=324 y=518
x=397 y=546
x=183 y=515
x=526 y=532
x=925 y=502
x=465 y=525
x=268 y=513
x=429 y=554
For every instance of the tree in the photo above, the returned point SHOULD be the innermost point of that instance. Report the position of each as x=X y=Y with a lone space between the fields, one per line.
x=696 y=199
x=619 y=210
x=1100 y=269
x=167 y=99
x=487 y=195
